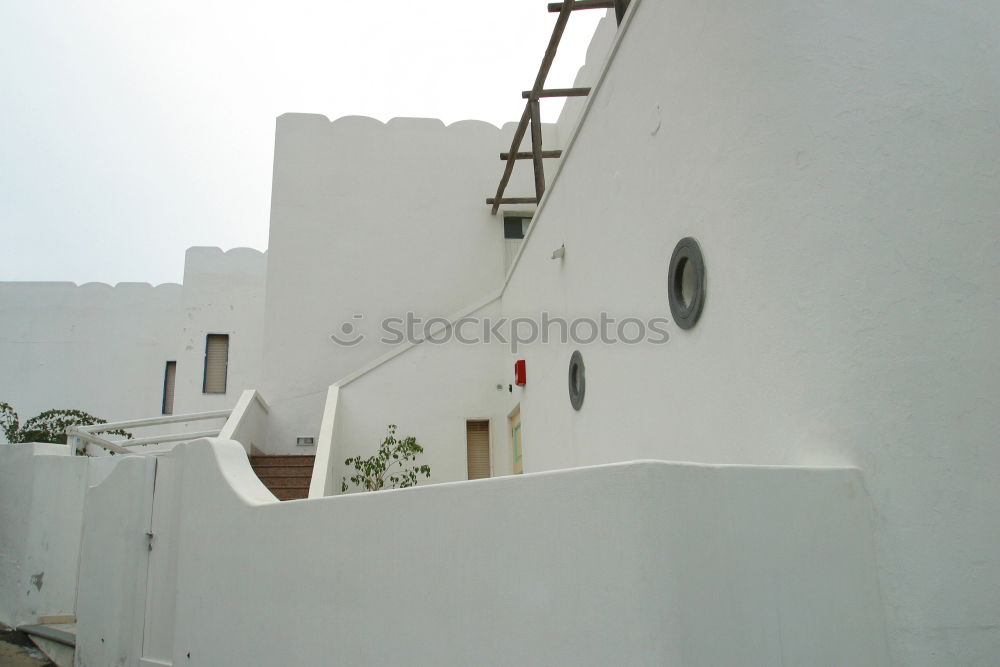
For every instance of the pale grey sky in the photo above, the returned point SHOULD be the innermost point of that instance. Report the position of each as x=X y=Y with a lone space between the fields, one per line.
x=133 y=129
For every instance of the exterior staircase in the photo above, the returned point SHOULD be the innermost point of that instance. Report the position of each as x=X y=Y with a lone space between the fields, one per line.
x=286 y=476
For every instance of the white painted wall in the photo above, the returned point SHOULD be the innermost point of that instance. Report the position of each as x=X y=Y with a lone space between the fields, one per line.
x=462 y=379
x=95 y=348
x=372 y=219
x=597 y=52
x=223 y=294
x=638 y=563
x=41 y=512
x=837 y=164
x=247 y=424
x=103 y=349
x=114 y=560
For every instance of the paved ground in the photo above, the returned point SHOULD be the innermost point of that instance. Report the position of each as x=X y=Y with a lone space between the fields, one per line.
x=16 y=650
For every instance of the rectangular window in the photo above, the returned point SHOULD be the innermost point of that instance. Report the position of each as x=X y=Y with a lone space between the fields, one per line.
x=477 y=442
x=514 y=228
x=216 y=363
x=169 y=380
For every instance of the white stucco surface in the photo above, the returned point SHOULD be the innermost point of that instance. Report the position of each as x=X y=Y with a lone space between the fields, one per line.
x=247 y=424
x=92 y=347
x=41 y=511
x=114 y=560
x=837 y=165
x=103 y=349
x=589 y=73
x=372 y=219
x=223 y=294
x=463 y=380
x=636 y=563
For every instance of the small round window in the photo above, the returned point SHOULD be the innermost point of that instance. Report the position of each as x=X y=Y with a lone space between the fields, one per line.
x=577 y=380
x=686 y=287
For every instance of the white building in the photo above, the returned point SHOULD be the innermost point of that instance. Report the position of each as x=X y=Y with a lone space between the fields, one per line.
x=805 y=475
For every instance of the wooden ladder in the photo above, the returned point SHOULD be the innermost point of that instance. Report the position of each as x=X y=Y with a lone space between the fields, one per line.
x=531 y=114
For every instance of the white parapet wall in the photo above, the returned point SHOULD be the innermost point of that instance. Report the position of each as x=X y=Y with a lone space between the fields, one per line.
x=247 y=424
x=635 y=563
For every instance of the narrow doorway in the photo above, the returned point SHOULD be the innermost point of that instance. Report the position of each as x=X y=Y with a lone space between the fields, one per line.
x=477 y=448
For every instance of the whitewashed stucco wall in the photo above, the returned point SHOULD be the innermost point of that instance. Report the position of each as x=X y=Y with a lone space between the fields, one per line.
x=373 y=219
x=587 y=76
x=639 y=563
x=223 y=294
x=114 y=564
x=94 y=347
x=103 y=349
x=41 y=514
x=428 y=391
x=838 y=166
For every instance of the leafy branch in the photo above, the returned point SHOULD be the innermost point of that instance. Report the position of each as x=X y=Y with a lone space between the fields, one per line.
x=49 y=426
x=388 y=466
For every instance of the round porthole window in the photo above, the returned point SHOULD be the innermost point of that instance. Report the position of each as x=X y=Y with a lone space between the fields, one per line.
x=686 y=289
x=577 y=380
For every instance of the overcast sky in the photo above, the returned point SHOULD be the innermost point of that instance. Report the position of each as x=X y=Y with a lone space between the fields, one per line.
x=133 y=129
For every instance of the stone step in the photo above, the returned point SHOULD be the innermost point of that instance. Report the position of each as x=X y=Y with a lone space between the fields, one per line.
x=283 y=471
x=282 y=460
x=290 y=494
x=287 y=476
x=273 y=483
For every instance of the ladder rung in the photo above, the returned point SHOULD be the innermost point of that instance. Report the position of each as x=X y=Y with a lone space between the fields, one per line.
x=528 y=156
x=512 y=200
x=583 y=4
x=558 y=92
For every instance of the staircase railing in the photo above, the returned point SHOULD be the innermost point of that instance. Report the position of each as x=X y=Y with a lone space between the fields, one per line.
x=78 y=437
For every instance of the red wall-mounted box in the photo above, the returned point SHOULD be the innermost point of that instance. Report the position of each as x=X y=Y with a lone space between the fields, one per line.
x=520 y=373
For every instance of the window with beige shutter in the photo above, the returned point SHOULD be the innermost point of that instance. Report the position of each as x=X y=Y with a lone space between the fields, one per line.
x=216 y=363
x=477 y=440
x=169 y=380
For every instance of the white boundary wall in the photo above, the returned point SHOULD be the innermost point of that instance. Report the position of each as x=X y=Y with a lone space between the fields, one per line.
x=42 y=492
x=634 y=563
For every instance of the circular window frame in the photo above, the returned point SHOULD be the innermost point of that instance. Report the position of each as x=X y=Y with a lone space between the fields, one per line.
x=686 y=313
x=577 y=380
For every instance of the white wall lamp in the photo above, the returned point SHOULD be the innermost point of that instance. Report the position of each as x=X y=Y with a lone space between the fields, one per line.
x=559 y=252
